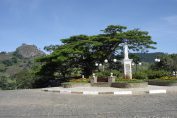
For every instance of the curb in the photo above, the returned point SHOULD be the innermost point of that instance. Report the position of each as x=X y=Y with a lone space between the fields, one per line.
x=157 y=91
x=90 y=92
x=65 y=91
x=123 y=93
x=151 y=92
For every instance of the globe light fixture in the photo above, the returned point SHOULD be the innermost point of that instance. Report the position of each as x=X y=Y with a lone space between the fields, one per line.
x=114 y=60
x=140 y=63
x=174 y=73
x=133 y=64
x=100 y=64
x=106 y=61
x=96 y=64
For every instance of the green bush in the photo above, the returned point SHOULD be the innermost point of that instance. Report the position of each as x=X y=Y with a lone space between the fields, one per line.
x=7 y=83
x=103 y=74
x=80 y=80
x=116 y=73
x=24 y=79
x=154 y=74
x=7 y=62
x=168 y=78
x=140 y=75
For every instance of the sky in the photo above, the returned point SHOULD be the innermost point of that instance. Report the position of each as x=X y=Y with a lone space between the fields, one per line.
x=45 y=22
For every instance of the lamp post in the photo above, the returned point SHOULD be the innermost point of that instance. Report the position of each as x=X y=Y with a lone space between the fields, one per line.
x=114 y=60
x=99 y=65
x=157 y=61
x=104 y=65
x=137 y=65
x=175 y=73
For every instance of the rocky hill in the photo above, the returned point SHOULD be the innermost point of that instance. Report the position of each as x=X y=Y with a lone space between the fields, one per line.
x=28 y=51
x=22 y=58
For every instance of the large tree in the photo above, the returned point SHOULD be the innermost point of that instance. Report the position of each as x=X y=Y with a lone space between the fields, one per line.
x=83 y=51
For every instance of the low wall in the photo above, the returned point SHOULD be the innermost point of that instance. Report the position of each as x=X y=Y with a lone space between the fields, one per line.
x=101 y=84
x=71 y=85
x=129 y=85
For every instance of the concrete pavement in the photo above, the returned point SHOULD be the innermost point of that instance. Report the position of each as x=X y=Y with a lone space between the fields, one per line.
x=39 y=104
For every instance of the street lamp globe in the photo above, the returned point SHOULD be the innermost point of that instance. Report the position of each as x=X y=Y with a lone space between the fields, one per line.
x=174 y=73
x=133 y=64
x=140 y=63
x=106 y=61
x=114 y=60
x=100 y=64
x=96 y=64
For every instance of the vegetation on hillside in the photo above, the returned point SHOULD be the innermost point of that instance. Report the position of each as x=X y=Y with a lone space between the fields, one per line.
x=16 y=67
x=148 y=57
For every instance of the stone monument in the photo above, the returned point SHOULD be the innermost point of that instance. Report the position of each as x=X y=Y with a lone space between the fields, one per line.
x=127 y=63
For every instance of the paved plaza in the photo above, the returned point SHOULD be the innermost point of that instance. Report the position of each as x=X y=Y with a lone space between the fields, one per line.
x=40 y=104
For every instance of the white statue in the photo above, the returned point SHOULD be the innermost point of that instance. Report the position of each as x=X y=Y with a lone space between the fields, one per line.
x=126 y=51
x=127 y=63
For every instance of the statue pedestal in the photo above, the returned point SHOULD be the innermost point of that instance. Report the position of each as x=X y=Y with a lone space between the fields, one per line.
x=127 y=68
x=111 y=79
x=95 y=79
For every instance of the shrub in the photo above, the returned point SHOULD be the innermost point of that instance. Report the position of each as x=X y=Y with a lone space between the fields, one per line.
x=168 y=78
x=80 y=80
x=103 y=74
x=24 y=79
x=7 y=62
x=140 y=75
x=7 y=83
x=116 y=73
x=154 y=74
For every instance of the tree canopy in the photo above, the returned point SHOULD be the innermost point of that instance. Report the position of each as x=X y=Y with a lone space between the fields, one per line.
x=84 y=51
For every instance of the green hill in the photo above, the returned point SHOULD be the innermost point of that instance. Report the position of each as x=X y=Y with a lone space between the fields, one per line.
x=22 y=58
x=148 y=57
